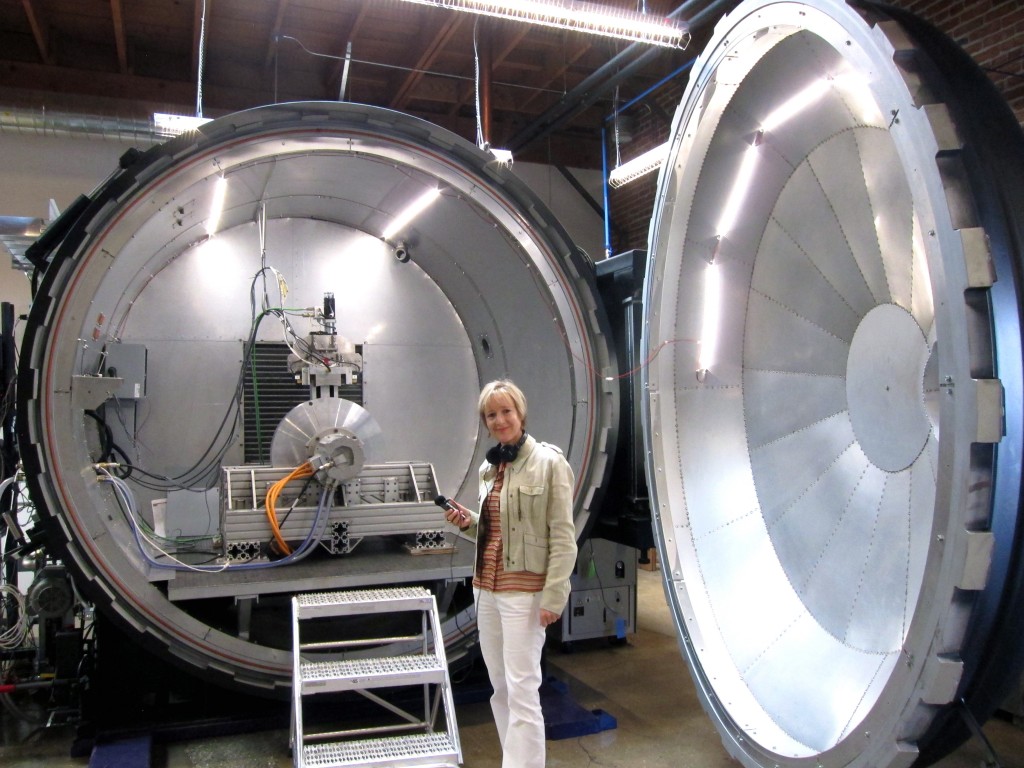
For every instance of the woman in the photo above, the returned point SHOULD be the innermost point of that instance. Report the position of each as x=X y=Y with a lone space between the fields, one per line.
x=526 y=551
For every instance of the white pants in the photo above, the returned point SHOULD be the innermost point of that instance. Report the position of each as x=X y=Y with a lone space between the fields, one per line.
x=511 y=640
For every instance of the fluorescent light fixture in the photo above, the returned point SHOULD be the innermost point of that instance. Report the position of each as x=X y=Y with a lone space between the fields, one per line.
x=710 y=319
x=795 y=104
x=216 y=205
x=641 y=165
x=502 y=157
x=417 y=207
x=172 y=125
x=739 y=190
x=579 y=16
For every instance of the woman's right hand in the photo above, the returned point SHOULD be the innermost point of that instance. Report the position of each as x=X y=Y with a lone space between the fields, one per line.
x=459 y=516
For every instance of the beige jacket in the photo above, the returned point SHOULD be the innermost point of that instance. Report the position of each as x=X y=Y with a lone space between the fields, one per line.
x=537 y=530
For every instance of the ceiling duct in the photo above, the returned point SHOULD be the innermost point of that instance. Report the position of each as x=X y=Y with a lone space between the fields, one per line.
x=49 y=123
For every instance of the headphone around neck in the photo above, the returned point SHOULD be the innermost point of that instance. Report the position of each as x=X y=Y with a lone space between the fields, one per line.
x=505 y=453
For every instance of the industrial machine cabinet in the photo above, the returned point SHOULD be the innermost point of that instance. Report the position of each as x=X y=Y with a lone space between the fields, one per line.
x=602 y=602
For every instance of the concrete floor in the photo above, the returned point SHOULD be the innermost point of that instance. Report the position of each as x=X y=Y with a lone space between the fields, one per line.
x=643 y=684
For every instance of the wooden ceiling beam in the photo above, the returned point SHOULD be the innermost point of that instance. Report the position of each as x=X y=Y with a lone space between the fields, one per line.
x=499 y=58
x=347 y=34
x=40 y=29
x=556 y=69
x=435 y=48
x=282 y=9
x=120 y=38
x=75 y=82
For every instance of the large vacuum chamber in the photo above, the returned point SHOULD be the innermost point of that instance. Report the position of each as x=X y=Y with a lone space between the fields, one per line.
x=258 y=293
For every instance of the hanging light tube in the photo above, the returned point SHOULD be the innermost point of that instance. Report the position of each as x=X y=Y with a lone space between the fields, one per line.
x=577 y=16
x=172 y=125
x=641 y=165
x=739 y=190
x=415 y=208
x=795 y=104
x=710 y=319
x=712 y=279
x=220 y=189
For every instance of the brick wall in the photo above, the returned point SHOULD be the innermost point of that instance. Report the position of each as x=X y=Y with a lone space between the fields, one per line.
x=991 y=31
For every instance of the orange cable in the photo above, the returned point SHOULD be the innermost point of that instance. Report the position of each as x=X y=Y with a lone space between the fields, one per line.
x=302 y=471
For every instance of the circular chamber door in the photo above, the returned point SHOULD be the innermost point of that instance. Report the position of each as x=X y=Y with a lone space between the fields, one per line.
x=272 y=264
x=832 y=418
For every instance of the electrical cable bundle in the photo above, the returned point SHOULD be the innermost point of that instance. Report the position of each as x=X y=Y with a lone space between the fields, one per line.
x=17 y=626
x=127 y=501
x=304 y=470
x=203 y=470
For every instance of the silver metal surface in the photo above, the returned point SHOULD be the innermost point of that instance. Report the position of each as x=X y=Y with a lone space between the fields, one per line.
x=330 y=427
x=391 y=565
x=812 y=525
x=381 y=500
x=317 y=671
x=491 y=287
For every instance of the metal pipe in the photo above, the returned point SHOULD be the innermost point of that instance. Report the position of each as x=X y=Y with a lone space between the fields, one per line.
x=604 y=190
x=486 y=67
x=670 y=76
x=605 y=79
x=65 y=124
x=27 y=686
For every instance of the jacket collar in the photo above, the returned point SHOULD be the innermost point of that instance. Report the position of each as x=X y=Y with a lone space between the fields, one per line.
x=491 y=471
x=524 y=451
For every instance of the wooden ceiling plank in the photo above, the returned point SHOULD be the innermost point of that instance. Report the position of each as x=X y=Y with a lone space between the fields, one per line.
x=40 y=29
x=504 y=51
x=120 y=38
x=426 y=59
x=556 y=71
x=282 y=8
x=347 y=34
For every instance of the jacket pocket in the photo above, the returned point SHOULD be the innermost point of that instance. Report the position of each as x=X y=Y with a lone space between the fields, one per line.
x=532 y=500
x=535 y=553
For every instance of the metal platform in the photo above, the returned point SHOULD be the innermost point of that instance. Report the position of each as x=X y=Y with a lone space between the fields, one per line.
x=378 y=562
x=317 y=671
x=432 y=749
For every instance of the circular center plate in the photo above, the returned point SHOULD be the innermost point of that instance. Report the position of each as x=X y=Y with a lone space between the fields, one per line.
x=885 y=387
x=297 y=435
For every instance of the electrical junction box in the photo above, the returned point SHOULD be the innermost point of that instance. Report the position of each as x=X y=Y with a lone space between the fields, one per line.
x=127 y=361
x=602 y=602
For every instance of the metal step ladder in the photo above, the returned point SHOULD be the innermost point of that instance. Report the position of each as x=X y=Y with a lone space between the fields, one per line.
x=318 y=670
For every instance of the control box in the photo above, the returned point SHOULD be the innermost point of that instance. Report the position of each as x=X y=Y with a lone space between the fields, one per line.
x=602 y=602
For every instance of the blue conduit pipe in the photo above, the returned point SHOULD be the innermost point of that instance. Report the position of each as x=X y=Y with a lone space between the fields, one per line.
x=604 y=148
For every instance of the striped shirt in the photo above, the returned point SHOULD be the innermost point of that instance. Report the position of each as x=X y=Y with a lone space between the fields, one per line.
x=490 y=570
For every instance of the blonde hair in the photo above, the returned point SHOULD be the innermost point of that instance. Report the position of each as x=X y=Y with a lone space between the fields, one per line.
x=503 y=387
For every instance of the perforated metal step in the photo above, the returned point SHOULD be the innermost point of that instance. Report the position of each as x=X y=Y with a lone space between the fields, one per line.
x=317 y=669
x=321 y=676
x=430 y=749
x=319 y=604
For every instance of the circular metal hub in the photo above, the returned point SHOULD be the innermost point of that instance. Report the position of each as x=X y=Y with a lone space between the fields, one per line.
x=335 y=429
x=885 y=387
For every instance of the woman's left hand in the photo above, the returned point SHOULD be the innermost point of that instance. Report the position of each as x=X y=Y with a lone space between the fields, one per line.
x=547 y=617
